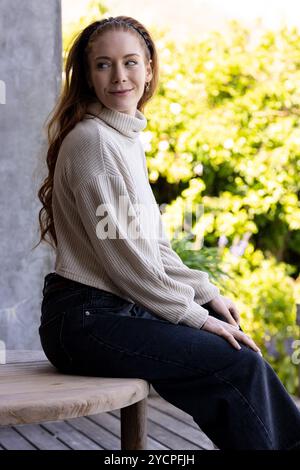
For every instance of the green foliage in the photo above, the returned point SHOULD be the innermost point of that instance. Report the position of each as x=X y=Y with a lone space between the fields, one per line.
x=205 y=259
x=231 y=105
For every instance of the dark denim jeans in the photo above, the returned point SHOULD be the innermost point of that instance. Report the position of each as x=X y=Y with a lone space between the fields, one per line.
x=234 y=396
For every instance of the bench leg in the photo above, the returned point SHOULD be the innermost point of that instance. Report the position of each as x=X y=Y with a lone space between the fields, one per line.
x=134 y=426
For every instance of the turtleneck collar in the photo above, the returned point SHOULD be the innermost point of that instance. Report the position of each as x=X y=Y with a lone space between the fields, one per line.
x=126 y=124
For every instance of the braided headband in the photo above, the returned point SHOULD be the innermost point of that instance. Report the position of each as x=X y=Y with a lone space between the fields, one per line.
x=111 y=19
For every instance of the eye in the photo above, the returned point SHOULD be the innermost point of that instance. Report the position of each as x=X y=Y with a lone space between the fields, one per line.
x=99 y=65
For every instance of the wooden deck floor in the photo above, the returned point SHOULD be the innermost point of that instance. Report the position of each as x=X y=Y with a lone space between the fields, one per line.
x=168 y=428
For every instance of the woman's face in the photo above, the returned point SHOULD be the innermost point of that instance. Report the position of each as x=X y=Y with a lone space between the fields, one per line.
x=117 y=62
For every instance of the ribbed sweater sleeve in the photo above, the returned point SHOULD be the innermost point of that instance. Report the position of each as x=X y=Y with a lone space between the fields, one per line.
x=130 y=262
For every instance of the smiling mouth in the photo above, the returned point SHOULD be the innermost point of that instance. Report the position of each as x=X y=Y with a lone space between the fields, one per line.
x=120 y=93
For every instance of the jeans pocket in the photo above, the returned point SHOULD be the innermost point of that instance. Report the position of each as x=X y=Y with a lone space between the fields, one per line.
x=62 y=299
x=92 y=315
x=107 y=300
x=99 y=302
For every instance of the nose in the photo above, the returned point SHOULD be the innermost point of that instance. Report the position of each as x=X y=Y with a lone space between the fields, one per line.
x=118 y=74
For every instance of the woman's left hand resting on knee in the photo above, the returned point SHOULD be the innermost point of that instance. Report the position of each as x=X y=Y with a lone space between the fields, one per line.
x=226 y=308
x=229 y=332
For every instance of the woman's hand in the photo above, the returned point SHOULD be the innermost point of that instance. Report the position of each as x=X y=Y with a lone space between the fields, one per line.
x=229 y=332
x=226 y=308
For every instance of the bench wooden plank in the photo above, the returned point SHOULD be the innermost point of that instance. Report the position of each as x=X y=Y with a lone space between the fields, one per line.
x=40 y=393
x=34 y=391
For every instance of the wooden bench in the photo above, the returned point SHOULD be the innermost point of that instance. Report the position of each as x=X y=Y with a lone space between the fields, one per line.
x=33 y=391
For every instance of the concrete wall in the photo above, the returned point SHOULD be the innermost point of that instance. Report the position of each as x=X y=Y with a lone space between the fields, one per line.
x=30 y=76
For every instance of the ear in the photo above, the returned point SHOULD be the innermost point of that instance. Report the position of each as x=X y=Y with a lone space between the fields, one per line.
x=149 y=73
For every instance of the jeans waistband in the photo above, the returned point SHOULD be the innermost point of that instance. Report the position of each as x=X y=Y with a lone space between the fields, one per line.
x=54 y=281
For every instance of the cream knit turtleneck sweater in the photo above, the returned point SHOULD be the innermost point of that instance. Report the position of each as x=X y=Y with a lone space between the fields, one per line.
x=101 y=167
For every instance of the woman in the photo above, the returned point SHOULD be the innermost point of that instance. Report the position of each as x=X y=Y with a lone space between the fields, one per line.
x=121 y=303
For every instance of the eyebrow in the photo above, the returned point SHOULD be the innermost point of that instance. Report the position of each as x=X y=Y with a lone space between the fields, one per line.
x=106 y=57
